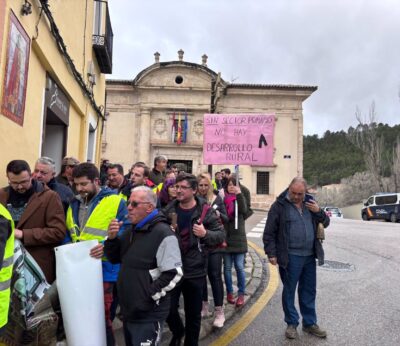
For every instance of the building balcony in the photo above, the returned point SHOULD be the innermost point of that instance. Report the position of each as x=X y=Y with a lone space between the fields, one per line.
x=102 y=39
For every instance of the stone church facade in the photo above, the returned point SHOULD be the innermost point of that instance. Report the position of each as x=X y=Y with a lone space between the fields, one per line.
x=143 y=112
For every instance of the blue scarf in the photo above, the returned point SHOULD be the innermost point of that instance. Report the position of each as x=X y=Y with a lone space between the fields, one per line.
x=148 y=218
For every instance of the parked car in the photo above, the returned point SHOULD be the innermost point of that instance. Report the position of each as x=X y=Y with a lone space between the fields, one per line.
x=333 y=212
x=384 y=206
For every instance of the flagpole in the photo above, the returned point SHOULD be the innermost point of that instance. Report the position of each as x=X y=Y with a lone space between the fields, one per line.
x=186 y=128
x=236 y=203
x=179 y=136
x=173 y=128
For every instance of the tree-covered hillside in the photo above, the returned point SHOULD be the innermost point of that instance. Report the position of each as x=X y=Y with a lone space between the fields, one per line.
x=333 y=157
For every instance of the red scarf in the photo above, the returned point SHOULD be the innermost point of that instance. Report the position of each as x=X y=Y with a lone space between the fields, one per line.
x=229 y=201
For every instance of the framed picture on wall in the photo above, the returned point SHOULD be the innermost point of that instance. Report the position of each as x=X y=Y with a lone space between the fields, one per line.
x=16 y=71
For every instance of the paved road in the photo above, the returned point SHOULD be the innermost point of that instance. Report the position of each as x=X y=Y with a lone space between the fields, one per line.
x=358 y=294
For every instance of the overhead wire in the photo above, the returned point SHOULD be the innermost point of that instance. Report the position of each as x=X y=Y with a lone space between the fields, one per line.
x=63 y=50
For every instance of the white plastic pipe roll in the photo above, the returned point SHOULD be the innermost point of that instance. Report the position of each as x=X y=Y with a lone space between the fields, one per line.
x=80 y=289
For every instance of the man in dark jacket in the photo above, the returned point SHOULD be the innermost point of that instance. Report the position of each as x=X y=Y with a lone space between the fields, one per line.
x=194 y=238
x=45 y=171
x=103 y=171
x=117 y=181
x=67 y=166
x=290 y=240
x=225 y=173
x=150 y=248
x=138 y=176
x=157 y=174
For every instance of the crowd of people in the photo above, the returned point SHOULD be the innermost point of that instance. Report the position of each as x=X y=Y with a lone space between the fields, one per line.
x=161 y=232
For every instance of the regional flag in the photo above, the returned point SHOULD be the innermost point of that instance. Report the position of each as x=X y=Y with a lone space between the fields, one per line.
x=179 y=135
x=185 y=128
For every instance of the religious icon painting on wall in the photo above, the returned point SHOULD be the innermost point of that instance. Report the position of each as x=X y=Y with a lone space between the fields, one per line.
x=16 y=71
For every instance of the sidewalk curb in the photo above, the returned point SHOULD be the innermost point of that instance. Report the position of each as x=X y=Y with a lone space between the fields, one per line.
x=261 y=210
x=253 y=283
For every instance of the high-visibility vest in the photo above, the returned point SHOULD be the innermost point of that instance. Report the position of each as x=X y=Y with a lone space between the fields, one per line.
x=6 y=271
x=157 y=189
x=124 y=197
x=97 y=224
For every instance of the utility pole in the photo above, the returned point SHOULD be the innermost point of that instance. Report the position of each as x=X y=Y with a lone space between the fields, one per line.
x=213 y=103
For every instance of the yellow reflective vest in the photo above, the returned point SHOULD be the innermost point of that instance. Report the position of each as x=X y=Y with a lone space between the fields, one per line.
x=97 y=224
x=6 y=271
x=124 y=197
x=158 y=188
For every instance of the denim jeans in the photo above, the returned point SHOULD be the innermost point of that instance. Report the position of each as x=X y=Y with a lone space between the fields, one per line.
x=238 y=260
x=301 y=270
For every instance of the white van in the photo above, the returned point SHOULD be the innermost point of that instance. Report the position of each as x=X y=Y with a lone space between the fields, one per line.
x=384 y=206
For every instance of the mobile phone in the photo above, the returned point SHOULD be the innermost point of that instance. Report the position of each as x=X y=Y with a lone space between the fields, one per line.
x=308 y=198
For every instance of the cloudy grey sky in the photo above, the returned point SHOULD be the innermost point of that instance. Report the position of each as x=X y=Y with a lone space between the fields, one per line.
x=348 y=48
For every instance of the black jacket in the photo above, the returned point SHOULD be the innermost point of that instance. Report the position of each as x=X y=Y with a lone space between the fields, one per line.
x=218 y=204
x=194 y=260
x=236 y=238
x=247 y=197
x=156 y=177
x=150 y=268
x=64 y=191
x=275 y=232
x=126 y=189
x=5 y=232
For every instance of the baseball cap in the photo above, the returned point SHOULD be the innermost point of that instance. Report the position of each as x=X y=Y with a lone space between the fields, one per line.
x=70 y=161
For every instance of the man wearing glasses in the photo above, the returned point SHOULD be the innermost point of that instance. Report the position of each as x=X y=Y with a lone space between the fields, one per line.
x=290 y=240
x=196 y=228
x=151 y=266
x=37 y=213
x=45 y=171
x=88 y=218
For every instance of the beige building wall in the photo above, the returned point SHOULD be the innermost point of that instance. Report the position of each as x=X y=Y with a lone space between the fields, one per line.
x=75 y=24
x=140 y=117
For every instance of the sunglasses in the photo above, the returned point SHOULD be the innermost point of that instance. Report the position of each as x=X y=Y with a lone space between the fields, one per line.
x=135 y=204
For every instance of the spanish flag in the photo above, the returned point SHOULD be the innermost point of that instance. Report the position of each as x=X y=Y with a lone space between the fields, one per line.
x=179 y=135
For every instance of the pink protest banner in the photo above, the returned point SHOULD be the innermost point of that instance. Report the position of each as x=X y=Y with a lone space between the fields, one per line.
x=240 y=139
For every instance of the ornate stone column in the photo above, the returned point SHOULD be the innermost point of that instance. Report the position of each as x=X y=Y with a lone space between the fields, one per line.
x=144 y=136
x=300 y=129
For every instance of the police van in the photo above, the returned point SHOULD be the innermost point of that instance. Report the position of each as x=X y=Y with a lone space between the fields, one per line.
x=385 y=206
